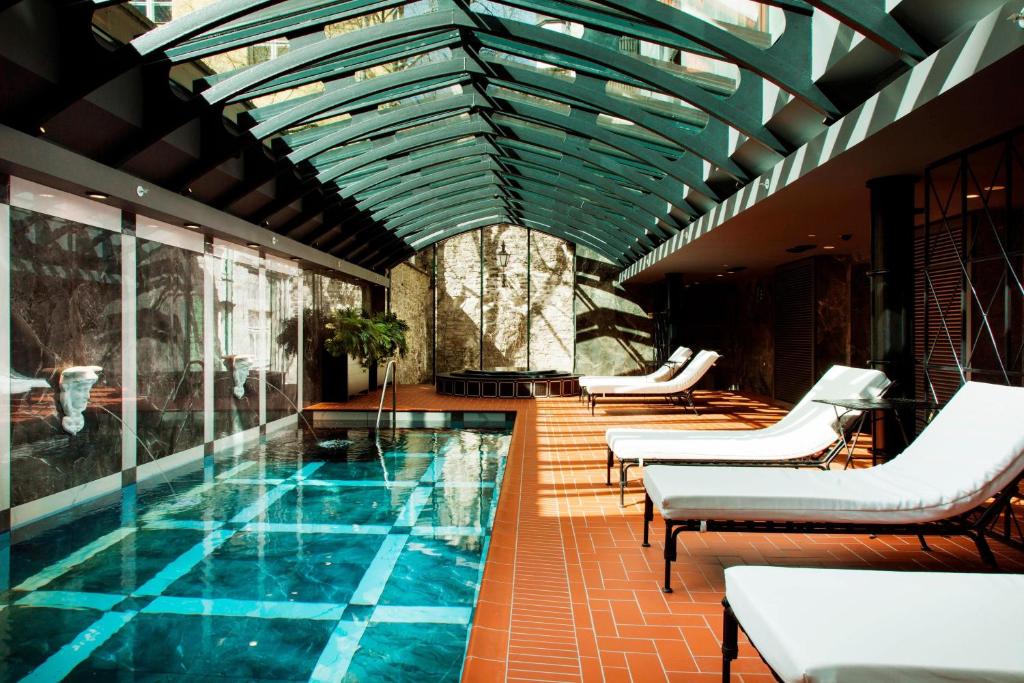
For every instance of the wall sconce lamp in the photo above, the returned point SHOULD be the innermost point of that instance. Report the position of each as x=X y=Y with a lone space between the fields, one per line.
x=502 y=255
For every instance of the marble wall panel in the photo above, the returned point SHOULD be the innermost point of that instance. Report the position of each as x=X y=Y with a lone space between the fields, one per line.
x=504 y=295
x=169 y=323
x=283 y=366
x=614 y=334
x=551 y=295
x=458 y=303
x=239 y=327
x=65 y=311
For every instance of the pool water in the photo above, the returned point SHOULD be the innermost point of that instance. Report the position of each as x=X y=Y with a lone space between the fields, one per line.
x=357 y=561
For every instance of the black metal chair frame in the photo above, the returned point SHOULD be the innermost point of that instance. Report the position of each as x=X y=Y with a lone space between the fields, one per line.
x=820 y=460
x=730 y=643
x=971 y=524
x=682 y=398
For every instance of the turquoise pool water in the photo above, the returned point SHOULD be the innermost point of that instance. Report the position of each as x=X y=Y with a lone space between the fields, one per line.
x=358 y=561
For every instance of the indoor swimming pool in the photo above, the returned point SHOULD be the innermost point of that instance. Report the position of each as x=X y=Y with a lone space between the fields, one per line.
x=355 y=558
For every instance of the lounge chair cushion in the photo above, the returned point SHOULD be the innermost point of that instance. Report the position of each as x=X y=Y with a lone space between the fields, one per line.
x=666 y=370
x=970 y=451
x=689 y=376
x=807 y=429
x=860 y=626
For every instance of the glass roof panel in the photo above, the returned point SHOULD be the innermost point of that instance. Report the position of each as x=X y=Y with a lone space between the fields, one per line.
x=714 y=75
x=754 y=22
x=658 y=103
x=536 y=100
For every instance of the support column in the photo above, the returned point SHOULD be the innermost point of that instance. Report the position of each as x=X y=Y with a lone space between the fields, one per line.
x=892 y=296
x=674 y=333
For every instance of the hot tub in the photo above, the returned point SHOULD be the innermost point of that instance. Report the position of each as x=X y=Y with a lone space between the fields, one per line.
x=508 y=383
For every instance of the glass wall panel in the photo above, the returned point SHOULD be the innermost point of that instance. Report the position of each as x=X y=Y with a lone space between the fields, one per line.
x=458 y=302
x=169 y=323
x=551 y=316
x=239 y=329
x=283 y=368
x=505 y=296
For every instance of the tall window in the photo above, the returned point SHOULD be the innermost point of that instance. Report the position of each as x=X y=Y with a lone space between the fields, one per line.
x=157 y=11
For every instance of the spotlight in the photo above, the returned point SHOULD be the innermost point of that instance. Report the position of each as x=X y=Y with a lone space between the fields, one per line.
x=192 y=226
x=828 y=247
x=91 y=194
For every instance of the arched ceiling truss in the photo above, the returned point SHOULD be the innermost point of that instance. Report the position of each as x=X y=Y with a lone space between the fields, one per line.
x=612 y=124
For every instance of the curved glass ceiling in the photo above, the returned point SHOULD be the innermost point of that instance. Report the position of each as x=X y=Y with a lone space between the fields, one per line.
x=610 y=124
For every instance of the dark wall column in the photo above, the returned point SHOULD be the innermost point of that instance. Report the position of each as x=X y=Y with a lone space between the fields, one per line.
x=675 y=335
x=892 y=290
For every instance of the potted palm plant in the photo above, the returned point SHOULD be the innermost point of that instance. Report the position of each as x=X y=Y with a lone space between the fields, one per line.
x=371 y=340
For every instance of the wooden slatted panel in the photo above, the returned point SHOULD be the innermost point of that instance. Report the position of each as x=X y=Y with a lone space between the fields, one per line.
x=794 y=330
x=938 y=312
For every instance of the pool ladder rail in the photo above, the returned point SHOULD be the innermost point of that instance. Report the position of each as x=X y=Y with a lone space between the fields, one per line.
x=389 y=371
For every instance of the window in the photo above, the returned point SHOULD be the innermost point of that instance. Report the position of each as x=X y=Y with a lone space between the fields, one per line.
x=157 y=11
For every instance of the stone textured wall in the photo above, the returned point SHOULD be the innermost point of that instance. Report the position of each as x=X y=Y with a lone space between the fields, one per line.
x=412 y=300
x=458 y=302
x=551 y=287
x=614 y=334
x=505 y=339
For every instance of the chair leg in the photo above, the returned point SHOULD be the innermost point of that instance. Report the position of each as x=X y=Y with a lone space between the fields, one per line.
x=593 y=401
x=648 y=518
x=670 y=556
x=688 y=397
x=611 y=461
x=924 y=543
x=986 y=552
x=730 y=640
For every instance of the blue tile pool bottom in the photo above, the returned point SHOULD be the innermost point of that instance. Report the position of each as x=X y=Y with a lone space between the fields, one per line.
x=356 y=560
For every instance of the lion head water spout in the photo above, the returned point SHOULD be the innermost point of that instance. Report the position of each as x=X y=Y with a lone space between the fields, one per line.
x=75 y=385
x=239 y=365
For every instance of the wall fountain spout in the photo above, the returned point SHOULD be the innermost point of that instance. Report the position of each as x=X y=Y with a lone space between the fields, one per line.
x=239 y=365
x=75 y=385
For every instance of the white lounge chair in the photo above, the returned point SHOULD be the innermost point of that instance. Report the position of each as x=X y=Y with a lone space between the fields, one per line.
x=862 y=626
x=679 y=387
x=973 y=450
x=665 y=371
x=808 y=430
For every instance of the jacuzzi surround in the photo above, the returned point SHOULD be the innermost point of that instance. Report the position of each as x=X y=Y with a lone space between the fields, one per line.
x=239 y=365
x=75 y=385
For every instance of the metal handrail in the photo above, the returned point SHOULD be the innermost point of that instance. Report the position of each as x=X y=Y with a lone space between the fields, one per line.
x=384 y=390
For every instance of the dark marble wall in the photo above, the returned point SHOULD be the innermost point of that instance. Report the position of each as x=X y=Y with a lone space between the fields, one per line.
x=735 y=317
x=169 y=324
x=65 y=311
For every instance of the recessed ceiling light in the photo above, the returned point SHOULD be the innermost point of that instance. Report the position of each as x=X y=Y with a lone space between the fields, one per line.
x=995 y=188
x=801 y=248
x=719 y=275
x=42 y=130
x=253 y=245
x=974 y=196
x=95 y=195
x=812 y=235
x=828 y=246
x=46 y=194
x=296 y=259
x=192 y=226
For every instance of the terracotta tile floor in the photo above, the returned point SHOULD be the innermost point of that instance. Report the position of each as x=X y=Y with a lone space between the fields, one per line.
x=569 y=594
